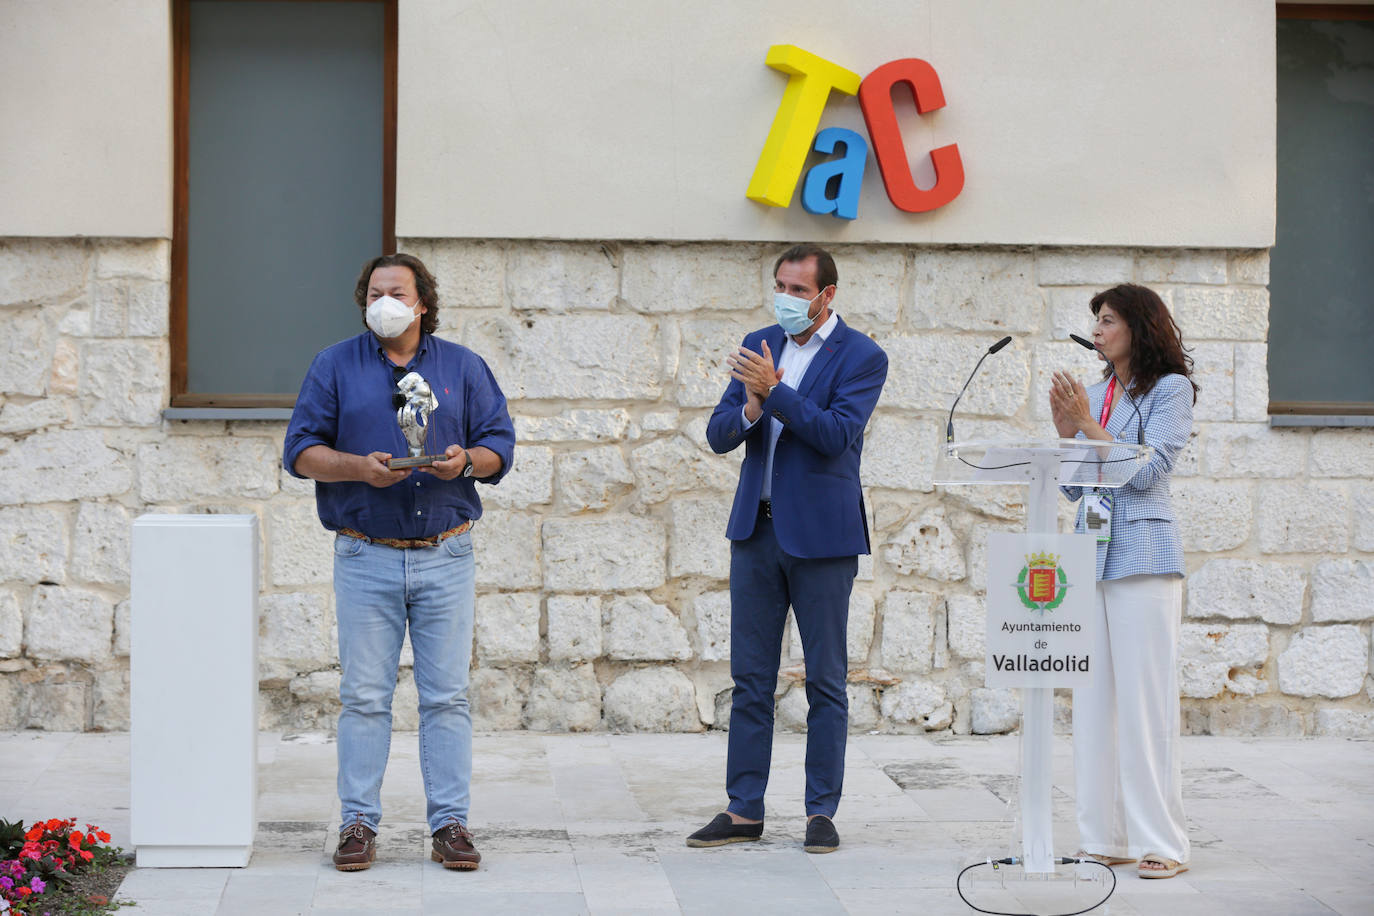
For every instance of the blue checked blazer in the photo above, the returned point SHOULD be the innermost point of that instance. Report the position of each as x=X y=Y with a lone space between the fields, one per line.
x=1145 y=537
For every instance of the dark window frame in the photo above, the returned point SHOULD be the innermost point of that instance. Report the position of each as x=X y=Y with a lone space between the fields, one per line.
x=181 y=99
x=1311 y=413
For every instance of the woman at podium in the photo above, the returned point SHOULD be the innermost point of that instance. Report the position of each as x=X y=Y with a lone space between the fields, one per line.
x=1126 y=724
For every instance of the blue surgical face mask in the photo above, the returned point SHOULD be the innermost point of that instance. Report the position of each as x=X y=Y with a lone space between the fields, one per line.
x=793 y=313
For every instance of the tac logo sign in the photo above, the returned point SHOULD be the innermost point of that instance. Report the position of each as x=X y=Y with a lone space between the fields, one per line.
x=790 y=140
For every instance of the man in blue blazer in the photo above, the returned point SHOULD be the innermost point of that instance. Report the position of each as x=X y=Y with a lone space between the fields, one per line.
x=800 y=394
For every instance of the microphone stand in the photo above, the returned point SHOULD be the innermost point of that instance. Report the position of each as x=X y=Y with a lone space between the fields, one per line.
x=949 y=424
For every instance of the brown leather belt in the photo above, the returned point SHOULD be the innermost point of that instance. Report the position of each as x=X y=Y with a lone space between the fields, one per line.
x=409 y=543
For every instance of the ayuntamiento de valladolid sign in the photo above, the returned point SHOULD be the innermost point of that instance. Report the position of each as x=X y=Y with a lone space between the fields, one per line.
x=1040 y=609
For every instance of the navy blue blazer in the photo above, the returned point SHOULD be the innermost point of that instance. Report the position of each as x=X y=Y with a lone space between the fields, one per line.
x=818 y=505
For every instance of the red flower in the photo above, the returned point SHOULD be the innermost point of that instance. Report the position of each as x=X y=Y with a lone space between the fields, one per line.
x=86 y=855
x=76 y=839
x=102 y=836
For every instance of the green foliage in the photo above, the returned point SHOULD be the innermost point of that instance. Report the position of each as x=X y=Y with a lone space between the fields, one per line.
x=11 y=839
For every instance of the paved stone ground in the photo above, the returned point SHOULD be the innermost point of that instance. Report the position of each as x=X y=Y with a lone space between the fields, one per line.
x=595 y=824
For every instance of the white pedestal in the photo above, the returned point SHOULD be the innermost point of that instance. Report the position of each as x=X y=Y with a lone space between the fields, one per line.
x=194 y=690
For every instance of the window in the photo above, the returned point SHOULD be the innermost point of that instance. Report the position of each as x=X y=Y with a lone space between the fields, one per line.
x=1321 y=274
x=285 y=186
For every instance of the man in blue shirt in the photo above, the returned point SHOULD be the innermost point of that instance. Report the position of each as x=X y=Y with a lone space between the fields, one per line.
x=402 y=549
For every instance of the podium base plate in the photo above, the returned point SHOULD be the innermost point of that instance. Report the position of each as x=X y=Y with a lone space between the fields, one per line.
x=1011 y=889
x=193 y=856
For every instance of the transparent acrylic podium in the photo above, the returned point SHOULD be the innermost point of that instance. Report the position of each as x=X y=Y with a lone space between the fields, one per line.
x=1044 y=465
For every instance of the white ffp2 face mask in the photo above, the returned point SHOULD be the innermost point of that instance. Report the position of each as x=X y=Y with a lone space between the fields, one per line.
x=388 y=317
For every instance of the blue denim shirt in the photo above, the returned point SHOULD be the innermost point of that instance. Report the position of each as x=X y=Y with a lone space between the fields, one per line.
x=345 y=403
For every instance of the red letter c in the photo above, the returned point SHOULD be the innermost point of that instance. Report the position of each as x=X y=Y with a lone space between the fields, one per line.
x=875 y=98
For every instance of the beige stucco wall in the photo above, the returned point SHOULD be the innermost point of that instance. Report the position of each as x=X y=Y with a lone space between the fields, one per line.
x=1079 y=122
x=86 y=106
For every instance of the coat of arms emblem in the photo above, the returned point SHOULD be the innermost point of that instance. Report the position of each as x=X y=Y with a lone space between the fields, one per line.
x=1042 y=584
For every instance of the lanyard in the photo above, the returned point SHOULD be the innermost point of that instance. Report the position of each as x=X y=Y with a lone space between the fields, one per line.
x=1107 y=401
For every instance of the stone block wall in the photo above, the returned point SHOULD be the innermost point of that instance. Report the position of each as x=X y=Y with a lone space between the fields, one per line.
x=602 y=565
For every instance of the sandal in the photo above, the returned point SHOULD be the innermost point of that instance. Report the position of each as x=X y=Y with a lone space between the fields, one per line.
x=1169 y=869
x=1103 y=860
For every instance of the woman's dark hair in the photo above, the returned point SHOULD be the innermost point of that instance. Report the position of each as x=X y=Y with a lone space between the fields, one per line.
x=1156 y=341
x=425 y=285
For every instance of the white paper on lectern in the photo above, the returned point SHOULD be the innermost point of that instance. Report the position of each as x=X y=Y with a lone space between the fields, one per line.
x=1040 y=646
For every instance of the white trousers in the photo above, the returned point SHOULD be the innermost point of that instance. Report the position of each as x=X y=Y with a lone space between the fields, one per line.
x=1126 y=725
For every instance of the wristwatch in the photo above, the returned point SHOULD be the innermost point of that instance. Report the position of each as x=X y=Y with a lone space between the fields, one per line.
x=467 y=463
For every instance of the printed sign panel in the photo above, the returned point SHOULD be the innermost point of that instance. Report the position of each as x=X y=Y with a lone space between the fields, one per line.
x=1040 y=609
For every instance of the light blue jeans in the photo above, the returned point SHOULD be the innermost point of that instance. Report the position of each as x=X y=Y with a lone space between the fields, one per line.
x=378 y=591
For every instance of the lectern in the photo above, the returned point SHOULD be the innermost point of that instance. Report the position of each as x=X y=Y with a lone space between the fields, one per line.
x=1043 y=465
x=194 y=690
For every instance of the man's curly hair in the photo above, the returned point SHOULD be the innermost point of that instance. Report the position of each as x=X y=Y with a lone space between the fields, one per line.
x=425 y=285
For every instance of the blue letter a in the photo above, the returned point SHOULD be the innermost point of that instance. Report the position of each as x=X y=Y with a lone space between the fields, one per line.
x=846 y=173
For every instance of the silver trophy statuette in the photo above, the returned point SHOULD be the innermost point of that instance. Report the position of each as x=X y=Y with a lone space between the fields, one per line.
x=413 y=418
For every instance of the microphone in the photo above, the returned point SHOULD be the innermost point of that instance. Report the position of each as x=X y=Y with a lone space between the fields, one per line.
x=949 y=425
x=1139 y=426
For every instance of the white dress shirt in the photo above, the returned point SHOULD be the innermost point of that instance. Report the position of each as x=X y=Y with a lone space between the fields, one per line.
x=793 y=361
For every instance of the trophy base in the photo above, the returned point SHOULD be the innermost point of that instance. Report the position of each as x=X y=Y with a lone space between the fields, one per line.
x=421 y=461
